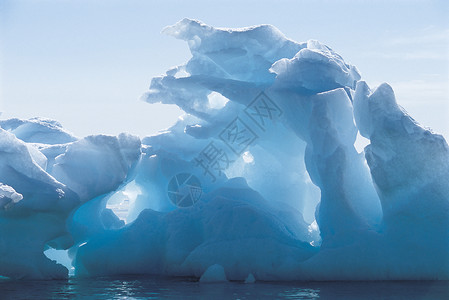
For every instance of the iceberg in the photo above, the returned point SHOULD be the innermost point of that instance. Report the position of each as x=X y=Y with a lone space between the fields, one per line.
x=258 y=180
x=35 y=207
x=214 y=273
x=38 y=130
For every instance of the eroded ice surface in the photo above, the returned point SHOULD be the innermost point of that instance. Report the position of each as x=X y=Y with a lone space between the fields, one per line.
x=259 y=180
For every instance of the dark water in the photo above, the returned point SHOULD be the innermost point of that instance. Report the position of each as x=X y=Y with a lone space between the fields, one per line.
x=133 y=287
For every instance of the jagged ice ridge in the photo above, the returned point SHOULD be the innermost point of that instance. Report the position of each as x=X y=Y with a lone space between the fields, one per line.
x=294 y=199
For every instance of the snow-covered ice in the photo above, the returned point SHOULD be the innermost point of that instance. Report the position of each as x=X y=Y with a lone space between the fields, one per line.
x=263 y=162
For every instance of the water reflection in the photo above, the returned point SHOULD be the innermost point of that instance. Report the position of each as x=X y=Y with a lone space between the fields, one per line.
x=135 y=287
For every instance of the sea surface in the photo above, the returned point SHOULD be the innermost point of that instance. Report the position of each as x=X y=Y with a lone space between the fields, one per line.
x=138 y=287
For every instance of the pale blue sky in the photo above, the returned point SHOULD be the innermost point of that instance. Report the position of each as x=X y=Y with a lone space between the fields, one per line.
x=86 y=63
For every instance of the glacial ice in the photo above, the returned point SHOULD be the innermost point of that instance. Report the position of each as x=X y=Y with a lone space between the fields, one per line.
x=8 y=196
x=38 y=130
x=34 y=216
x=292 y=199
x=250 y=278
x=214 y=273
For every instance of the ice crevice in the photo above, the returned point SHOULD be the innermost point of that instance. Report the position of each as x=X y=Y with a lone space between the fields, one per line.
x=258 y=180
